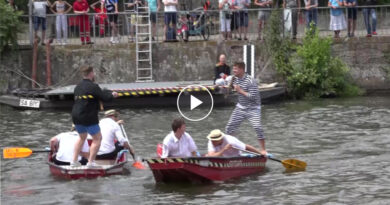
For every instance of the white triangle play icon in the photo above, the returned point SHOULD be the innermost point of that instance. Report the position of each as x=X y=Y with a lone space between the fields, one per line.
x=195 y=102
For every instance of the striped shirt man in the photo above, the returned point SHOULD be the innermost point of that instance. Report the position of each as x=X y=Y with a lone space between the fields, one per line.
x=248 y=106
x=249 y=85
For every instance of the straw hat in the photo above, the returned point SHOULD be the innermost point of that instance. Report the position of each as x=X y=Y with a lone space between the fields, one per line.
x=110 y=113
x=215 y=135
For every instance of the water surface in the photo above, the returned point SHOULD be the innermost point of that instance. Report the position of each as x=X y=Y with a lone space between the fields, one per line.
x=346 y=143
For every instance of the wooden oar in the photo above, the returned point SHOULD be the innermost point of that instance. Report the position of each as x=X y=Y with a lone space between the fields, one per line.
x=19 y=152
x=136 y=164
x=291 y=165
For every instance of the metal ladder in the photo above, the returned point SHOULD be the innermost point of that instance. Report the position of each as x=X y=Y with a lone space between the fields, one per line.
x=143 y=47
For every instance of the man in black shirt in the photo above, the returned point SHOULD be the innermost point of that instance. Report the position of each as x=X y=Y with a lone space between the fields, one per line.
x=87 y=96
x=222 y=71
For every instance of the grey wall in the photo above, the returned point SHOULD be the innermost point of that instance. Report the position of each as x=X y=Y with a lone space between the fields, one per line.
x=367 y=58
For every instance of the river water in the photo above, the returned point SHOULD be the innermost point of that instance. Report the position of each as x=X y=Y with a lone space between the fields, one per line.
x=345 y=142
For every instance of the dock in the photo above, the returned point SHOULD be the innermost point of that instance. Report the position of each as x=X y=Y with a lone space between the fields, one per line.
x=133 y=95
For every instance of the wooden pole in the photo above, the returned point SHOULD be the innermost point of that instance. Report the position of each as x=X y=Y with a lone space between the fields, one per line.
x=34 y=63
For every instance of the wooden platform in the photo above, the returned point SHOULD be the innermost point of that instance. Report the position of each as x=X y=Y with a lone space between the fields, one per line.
x=132 y=95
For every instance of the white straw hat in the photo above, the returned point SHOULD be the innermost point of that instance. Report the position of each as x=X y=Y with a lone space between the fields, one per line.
x=110 y=112
x=215 y=135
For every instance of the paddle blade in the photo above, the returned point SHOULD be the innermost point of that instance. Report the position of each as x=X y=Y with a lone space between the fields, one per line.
x=138 y=165
x=16 y=152
x=294 y=165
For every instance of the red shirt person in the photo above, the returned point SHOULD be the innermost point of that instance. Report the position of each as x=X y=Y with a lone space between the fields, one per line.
x=81 y=7
x=100 y=17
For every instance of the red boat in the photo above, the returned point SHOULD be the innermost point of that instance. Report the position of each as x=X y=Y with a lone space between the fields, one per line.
x=204 y=169
x=105 y=168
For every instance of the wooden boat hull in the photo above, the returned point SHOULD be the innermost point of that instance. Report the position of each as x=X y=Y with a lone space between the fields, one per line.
x=204 y=169
x=107 y=169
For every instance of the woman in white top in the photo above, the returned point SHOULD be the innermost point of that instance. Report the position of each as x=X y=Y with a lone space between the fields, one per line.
x=61 y=20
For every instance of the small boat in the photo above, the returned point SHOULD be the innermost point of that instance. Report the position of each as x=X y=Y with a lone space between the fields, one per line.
x=104 y=168
x=204 y=169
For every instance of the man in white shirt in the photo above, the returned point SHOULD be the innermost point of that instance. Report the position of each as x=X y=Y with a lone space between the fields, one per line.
x=170 y=15
x=224 y=145
x=111 y=131
x=178 y=143
x=63 y=146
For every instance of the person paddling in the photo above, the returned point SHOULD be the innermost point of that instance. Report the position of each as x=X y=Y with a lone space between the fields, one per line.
x=62 y=147
x=111 y=131
x=224 y=145
x=87 y=97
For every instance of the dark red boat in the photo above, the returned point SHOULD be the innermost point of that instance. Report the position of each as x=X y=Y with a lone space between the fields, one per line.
x=105 y=168
x=204 y=169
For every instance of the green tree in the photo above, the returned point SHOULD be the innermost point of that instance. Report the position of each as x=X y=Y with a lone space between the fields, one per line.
x=314 y=72
x=9 y=26
x=309 y=69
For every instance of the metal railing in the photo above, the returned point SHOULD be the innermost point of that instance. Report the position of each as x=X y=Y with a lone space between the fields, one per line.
x=203 y=25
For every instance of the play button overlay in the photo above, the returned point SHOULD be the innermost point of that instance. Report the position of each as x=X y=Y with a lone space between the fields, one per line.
x=195 y=102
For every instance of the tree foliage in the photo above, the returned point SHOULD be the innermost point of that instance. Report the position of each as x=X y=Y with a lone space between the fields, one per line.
x=309 y=69
x=9 y=26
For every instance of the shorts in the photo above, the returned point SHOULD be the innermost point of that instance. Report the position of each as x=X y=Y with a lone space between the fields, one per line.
x=112 y=17
x=39 y=21
x=264 y=15
x=170 y=17
x=352 y=13
x=243 y=17
x=225 y=25
x=153 y=17
x=91 y=129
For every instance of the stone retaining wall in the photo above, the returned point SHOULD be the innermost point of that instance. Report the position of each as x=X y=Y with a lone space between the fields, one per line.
x=368 y=58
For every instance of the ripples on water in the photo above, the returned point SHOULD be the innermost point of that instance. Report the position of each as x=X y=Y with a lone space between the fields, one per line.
x=345 y=142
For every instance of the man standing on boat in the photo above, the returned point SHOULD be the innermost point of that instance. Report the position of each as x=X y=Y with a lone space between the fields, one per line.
x=178 y=143
x=87 y=98
x=248 y=106
x=111 y=131
x=62 y=145
x=225 y=145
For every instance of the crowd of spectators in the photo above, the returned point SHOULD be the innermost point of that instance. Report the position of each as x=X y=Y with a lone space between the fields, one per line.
x=233 y=16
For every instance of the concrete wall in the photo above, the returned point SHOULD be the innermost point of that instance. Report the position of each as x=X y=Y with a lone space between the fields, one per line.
x=368 y=59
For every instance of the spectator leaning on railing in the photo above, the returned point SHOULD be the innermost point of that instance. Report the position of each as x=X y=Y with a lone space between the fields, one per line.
x=112 y=12
x=337 y=19
x=154 y=7
x=242 y=18
x=295 y=6
x=367 y=13
x=39 y=13
x=311 y=12
x=100 y=16
x=61 y=20
x=81 y=8
x=133 y=5
x=170 y=16
x=263 y=14
x=352 y=16
x=225 y=17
